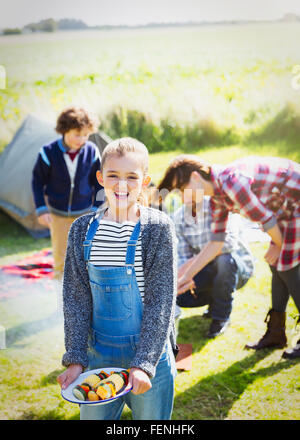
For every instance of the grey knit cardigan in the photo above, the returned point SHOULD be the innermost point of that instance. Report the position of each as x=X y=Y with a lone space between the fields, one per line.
x=159 y=256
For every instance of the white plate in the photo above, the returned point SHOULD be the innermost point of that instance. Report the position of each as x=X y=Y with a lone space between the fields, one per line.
x=68 y=395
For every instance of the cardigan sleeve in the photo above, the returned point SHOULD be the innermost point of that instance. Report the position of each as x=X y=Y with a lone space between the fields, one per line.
x=77 y=297
x=160 y=298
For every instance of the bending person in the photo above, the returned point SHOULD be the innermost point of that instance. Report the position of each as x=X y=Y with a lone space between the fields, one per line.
x=264 y=190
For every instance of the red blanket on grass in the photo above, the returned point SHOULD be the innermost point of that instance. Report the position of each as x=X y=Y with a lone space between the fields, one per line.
x=36 y=266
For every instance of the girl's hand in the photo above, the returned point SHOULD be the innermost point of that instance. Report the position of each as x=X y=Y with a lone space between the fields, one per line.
x=184 y=283
x=45 y=219
x=139 y=381
x=69 y=375
x=272 y=254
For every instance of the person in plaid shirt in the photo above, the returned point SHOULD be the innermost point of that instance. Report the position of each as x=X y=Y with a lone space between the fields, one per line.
x=265 y=190
x=216 y=282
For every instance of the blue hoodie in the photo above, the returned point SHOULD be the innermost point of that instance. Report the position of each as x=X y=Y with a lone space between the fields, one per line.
x=51 y=177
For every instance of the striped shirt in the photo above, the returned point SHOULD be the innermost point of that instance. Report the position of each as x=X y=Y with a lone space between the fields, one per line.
x=194 y=233
x=109 y=248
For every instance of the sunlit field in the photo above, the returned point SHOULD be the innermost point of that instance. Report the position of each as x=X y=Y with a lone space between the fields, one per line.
x=222 y=92
x=186 y=86
x=226 y=381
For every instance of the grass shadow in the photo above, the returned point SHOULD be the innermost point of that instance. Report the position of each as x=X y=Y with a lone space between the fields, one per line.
x=14 y=334
x=51 y=378
x=213 y=397
x=53 y=414
x=193 y=330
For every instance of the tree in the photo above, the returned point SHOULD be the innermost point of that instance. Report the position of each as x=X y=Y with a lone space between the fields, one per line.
x=12 y=31
x=70 y=23
x=48 y=25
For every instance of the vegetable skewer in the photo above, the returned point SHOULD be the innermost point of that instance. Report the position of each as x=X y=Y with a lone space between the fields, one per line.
x=101 y=386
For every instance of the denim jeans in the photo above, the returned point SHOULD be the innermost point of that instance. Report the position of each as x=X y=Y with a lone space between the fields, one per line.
x=215 y=284
x=284 y=285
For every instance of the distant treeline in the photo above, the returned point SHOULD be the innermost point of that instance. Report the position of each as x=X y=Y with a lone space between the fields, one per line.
x=50 y=25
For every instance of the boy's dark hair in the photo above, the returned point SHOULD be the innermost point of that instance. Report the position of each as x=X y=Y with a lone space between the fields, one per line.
x=75 y=117
x=179 y=172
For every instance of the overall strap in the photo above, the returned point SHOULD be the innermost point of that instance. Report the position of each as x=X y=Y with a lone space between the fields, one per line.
x=131 y=247
x=87 y=244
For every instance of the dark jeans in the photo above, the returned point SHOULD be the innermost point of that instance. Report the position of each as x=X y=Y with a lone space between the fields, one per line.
x=284 y=285
x=215 y=284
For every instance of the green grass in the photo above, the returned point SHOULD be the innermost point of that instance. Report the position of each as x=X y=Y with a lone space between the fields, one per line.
x=15 y=242
x=226 y=381
x=221 y=92
x=186 y=87
x=229 y=382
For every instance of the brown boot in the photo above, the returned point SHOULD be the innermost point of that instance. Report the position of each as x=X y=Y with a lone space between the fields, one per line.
x=275 y=335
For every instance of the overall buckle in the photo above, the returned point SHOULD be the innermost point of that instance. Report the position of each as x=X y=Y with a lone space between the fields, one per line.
x=129 y=268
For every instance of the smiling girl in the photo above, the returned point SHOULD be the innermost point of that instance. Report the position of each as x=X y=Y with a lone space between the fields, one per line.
x=120 y=290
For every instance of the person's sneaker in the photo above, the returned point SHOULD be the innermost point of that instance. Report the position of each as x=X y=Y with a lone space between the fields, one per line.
x=217 y=327
x=292 y=353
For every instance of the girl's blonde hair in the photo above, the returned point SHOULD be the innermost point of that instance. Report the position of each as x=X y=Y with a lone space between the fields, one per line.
x=119 y=147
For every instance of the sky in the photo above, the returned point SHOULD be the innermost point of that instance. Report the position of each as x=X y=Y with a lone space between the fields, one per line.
x=17 y=13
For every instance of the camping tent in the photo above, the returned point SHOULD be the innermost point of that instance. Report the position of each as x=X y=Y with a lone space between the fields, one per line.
x=16 y=165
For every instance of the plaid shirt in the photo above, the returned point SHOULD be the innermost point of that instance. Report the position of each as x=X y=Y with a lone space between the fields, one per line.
x=264 y=190
x=194 y=233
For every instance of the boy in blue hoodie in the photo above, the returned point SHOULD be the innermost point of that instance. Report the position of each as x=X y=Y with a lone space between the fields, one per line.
x=65 y=172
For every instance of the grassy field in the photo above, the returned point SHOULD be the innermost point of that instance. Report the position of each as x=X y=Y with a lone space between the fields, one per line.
x=226 y=381
x=222 y=92
x=185 y=87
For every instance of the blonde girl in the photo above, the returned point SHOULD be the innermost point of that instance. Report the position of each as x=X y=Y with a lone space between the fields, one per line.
x=120 y=290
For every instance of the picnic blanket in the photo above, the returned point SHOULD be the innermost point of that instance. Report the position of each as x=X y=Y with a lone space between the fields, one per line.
x=36 y=266
x=33 y=273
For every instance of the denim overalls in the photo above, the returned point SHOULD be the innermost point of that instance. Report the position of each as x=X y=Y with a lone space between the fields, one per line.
x=114 y=336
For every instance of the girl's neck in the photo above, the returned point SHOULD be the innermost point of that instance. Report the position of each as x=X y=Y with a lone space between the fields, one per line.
x=131 y=214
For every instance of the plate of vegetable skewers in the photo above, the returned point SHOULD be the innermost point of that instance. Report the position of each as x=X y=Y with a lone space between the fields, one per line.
x=98 y=387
